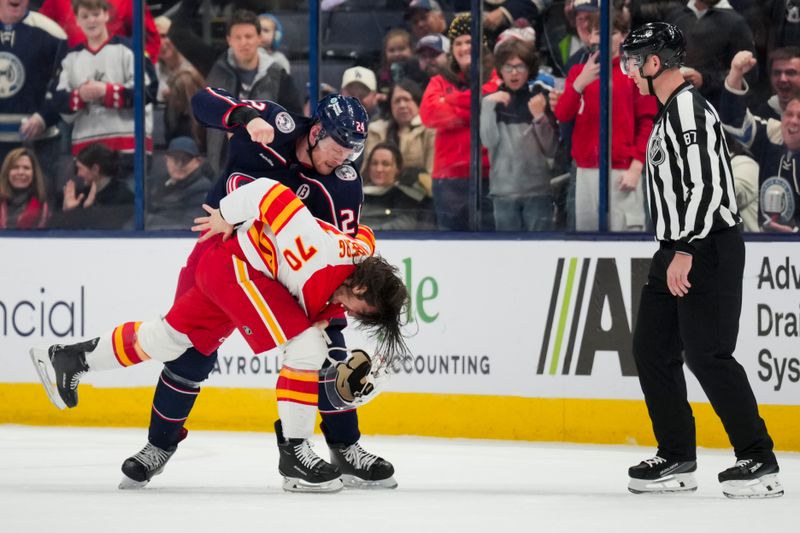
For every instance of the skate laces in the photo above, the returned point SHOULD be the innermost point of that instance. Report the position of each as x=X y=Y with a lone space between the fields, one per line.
x=653 y=461
x=748 y=465
x=359 y=457
x=305 y=454
x=76 y=379
x=152 y=457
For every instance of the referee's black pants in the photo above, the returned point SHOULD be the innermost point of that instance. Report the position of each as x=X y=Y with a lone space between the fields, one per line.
x=704 y=324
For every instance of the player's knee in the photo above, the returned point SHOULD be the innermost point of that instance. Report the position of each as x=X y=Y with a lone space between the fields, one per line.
x=192 y=366
x=161 y=341
x=307 y=351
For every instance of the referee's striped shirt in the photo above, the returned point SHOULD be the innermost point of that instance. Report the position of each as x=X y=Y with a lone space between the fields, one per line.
x=689 y=171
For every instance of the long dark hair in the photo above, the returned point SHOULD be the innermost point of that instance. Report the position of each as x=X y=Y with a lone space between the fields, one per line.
x=386 y=292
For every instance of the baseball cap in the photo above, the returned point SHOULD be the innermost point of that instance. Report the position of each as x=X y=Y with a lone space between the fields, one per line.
x=361 y=75
x=434 y=41
x=586 y=5
x=183 y=144
x=422 y=5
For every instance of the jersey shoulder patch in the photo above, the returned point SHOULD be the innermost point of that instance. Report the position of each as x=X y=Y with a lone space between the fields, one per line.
x=284 y=122
x=346 y=173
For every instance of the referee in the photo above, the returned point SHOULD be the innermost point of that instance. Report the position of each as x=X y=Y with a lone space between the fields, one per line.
x=693 y=295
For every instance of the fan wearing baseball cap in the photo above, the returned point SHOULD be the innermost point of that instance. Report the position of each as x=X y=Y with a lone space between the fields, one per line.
x=361 y=83
x=425 y=17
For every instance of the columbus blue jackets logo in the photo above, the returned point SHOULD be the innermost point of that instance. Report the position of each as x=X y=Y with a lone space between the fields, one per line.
x=284 y=122
x=346 y=173
x=656 y=151
x=777 y=200
x=12 y=75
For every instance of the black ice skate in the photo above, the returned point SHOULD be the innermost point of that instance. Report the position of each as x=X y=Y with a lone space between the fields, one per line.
x=60 y=370
x=658 y=475
x=361 y=469
x=139 y=469
x=302 y=469
x=751 y=479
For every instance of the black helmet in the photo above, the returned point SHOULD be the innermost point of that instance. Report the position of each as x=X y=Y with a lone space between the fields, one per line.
x=654 y=38
x=344 y=119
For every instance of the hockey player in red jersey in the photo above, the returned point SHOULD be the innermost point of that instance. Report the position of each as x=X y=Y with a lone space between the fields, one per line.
x=282 y=277
x=313 y=157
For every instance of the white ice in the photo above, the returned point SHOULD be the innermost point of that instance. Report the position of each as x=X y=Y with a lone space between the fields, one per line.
x=65 y=480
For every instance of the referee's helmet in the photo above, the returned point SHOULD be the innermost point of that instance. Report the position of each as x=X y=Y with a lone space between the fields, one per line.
x=654 y=38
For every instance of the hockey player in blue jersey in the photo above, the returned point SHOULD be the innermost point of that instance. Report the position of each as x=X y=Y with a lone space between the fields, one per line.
x=31 y=49
x=312 y=156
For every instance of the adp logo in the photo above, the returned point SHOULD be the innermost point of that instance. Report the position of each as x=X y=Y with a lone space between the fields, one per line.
x=588 y=292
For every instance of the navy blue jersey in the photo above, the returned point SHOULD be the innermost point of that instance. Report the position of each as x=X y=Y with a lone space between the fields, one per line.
x=335 y=198
x=30 y=56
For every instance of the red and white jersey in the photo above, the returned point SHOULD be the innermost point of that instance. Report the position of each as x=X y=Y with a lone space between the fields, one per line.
x=279 y=236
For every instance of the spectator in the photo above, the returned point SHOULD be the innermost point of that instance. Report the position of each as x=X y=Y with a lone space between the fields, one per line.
x=520 y=135
x=271 y=36
x=388 y=204
x=174 y=202
x=360 y=82
x=784 y=29
x=745 y=183
x=446 y=109
x=561 y=39
x=405 y=130
x=32 y=48
x=432 y=55
x=23 y=198
x=499 y=15
x=425 y=17
x=95 y=88
x=248 y=72
x=709 y=51
x=643 y=11
x=784 y=75
x=631 y=124
x=396 y=52
x=179 y=120
x=776 y=148
x=170 y=61
x=120 y=23
x=584 y=11
x=103 y=201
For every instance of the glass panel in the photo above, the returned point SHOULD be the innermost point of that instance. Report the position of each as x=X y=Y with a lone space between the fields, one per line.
x=427 y=121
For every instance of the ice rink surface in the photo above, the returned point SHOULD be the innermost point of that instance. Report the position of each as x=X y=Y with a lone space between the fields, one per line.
x=65 y=480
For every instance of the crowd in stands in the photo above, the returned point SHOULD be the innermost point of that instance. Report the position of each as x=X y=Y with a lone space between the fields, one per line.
x=67 y=106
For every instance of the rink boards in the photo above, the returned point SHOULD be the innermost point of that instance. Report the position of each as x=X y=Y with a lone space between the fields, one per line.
x=510 y=339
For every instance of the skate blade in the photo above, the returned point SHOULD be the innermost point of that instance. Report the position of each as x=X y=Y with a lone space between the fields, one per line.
x=131 y=484
x=355 y=482
x=764 y=487
x=47 y=375
x=667 y=484
x=291 y=484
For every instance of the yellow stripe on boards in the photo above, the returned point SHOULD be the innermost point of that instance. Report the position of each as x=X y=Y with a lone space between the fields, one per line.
x=393 y=413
